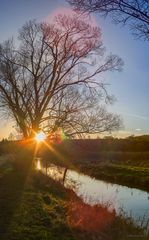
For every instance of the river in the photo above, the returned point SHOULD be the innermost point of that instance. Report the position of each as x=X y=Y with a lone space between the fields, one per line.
x=130 y=202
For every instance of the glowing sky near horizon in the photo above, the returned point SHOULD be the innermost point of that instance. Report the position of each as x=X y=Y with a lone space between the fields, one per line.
x=131 y=86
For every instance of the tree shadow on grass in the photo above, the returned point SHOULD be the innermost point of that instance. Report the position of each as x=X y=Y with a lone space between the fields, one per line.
x=11 y=190
x=12 y=184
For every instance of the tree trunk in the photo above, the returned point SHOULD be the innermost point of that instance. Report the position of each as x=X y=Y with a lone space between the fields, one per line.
x=35 y=128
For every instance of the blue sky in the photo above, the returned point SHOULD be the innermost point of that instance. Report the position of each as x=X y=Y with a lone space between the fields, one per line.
x=131 y=86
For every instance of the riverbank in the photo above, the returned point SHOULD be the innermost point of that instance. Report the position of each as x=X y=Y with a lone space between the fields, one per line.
x=126 y=168
x=122 y=167
x=131 y=176
x=34 y=207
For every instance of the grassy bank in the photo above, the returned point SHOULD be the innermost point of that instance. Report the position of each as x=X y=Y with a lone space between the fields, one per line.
x=127 y=168
x=136 y=177
x=33 y=206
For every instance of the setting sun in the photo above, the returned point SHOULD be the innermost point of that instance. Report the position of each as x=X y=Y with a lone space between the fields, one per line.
x=40 y=137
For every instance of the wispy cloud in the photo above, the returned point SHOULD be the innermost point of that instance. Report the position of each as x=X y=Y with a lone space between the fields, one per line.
x=138 y=129
x=135 y=116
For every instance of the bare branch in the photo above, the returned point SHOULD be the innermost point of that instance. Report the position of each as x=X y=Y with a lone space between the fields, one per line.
x=135 y=13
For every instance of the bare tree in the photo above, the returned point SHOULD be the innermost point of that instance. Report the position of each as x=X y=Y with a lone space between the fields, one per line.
x=42 y=78
x=81 y=111
x=132 y=12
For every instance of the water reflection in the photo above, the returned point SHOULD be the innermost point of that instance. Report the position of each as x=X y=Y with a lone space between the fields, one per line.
x=38 y=164
x=129 y=201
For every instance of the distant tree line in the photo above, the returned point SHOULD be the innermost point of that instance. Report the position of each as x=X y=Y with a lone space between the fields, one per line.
x=131 y=144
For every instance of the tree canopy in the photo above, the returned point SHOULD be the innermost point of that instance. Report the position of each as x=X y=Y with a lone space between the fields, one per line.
x=51 y=78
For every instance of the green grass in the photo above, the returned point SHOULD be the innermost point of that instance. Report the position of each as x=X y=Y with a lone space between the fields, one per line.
x=41 y=214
